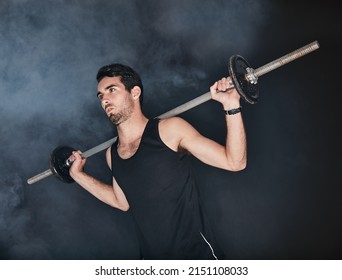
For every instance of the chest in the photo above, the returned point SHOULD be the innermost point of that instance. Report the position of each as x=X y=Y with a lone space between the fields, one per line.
x=128 y=150
x=151 y=172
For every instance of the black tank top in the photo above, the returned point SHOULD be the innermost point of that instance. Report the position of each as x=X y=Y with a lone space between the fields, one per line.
x=160 y=190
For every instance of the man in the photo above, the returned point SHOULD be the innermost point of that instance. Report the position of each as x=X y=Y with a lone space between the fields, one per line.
x=152 y=175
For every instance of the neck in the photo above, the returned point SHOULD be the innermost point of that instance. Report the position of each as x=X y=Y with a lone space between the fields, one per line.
x=132 y=129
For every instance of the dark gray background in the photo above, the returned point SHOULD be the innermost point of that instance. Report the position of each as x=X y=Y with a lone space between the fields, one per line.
x=285 y=205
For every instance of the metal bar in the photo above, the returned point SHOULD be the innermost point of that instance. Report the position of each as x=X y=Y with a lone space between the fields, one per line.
x=40 y=176
x=207 y=96
x=286 y=59
x=98 y=148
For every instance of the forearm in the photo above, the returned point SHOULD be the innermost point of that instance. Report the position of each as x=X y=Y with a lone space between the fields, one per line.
x=100 y=190
x=236 y=144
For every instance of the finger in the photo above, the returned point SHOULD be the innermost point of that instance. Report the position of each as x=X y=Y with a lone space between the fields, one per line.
x=70 y=160
x=80 y=154
x=230 y=82
x=213 y=88
x=219 y=85
x=77 y=154
x=223 y=85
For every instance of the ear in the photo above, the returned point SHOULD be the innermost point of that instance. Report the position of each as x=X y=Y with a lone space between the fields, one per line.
x=136 y=91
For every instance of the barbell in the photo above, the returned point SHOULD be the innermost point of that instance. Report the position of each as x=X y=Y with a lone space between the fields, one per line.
x=245 y=81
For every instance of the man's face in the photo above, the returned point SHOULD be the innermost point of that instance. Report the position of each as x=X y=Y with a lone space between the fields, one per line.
x=115 y=99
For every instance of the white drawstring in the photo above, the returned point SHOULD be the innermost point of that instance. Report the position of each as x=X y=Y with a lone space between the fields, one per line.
x=211 y=248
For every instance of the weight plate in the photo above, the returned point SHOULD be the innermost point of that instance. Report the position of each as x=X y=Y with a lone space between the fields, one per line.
x=58 y=163
x=237 y=71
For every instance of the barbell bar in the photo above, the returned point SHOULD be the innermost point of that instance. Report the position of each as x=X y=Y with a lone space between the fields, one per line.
x=244 y=79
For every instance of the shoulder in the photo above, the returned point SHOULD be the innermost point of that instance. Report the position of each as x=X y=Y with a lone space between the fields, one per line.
x=175 y=126
x=173 y=123
x=173 y=131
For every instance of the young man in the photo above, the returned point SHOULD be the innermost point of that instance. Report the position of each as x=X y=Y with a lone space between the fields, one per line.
x=152 y=176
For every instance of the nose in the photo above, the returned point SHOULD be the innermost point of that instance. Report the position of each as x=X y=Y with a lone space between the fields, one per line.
x=104 y=101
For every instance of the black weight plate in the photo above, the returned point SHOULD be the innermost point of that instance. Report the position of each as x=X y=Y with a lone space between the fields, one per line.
x=237 y=71
x=58 y=163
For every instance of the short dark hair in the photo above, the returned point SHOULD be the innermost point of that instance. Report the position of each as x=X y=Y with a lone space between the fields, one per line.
x=128 y=76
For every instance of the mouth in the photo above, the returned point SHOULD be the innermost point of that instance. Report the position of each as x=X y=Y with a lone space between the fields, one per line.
x=108 y=109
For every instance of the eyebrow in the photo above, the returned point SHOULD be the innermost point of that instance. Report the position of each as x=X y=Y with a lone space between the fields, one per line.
x=106 y=88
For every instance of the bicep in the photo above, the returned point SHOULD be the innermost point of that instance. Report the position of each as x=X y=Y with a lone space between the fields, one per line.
x=118 y=192
x=206 y=150
x=109 y=162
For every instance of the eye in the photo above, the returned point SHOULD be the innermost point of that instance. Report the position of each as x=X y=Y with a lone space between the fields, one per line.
x=112 y=89
x=100 y=96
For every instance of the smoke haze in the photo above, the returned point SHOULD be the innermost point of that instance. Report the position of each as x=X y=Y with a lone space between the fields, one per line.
x=283 y=205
